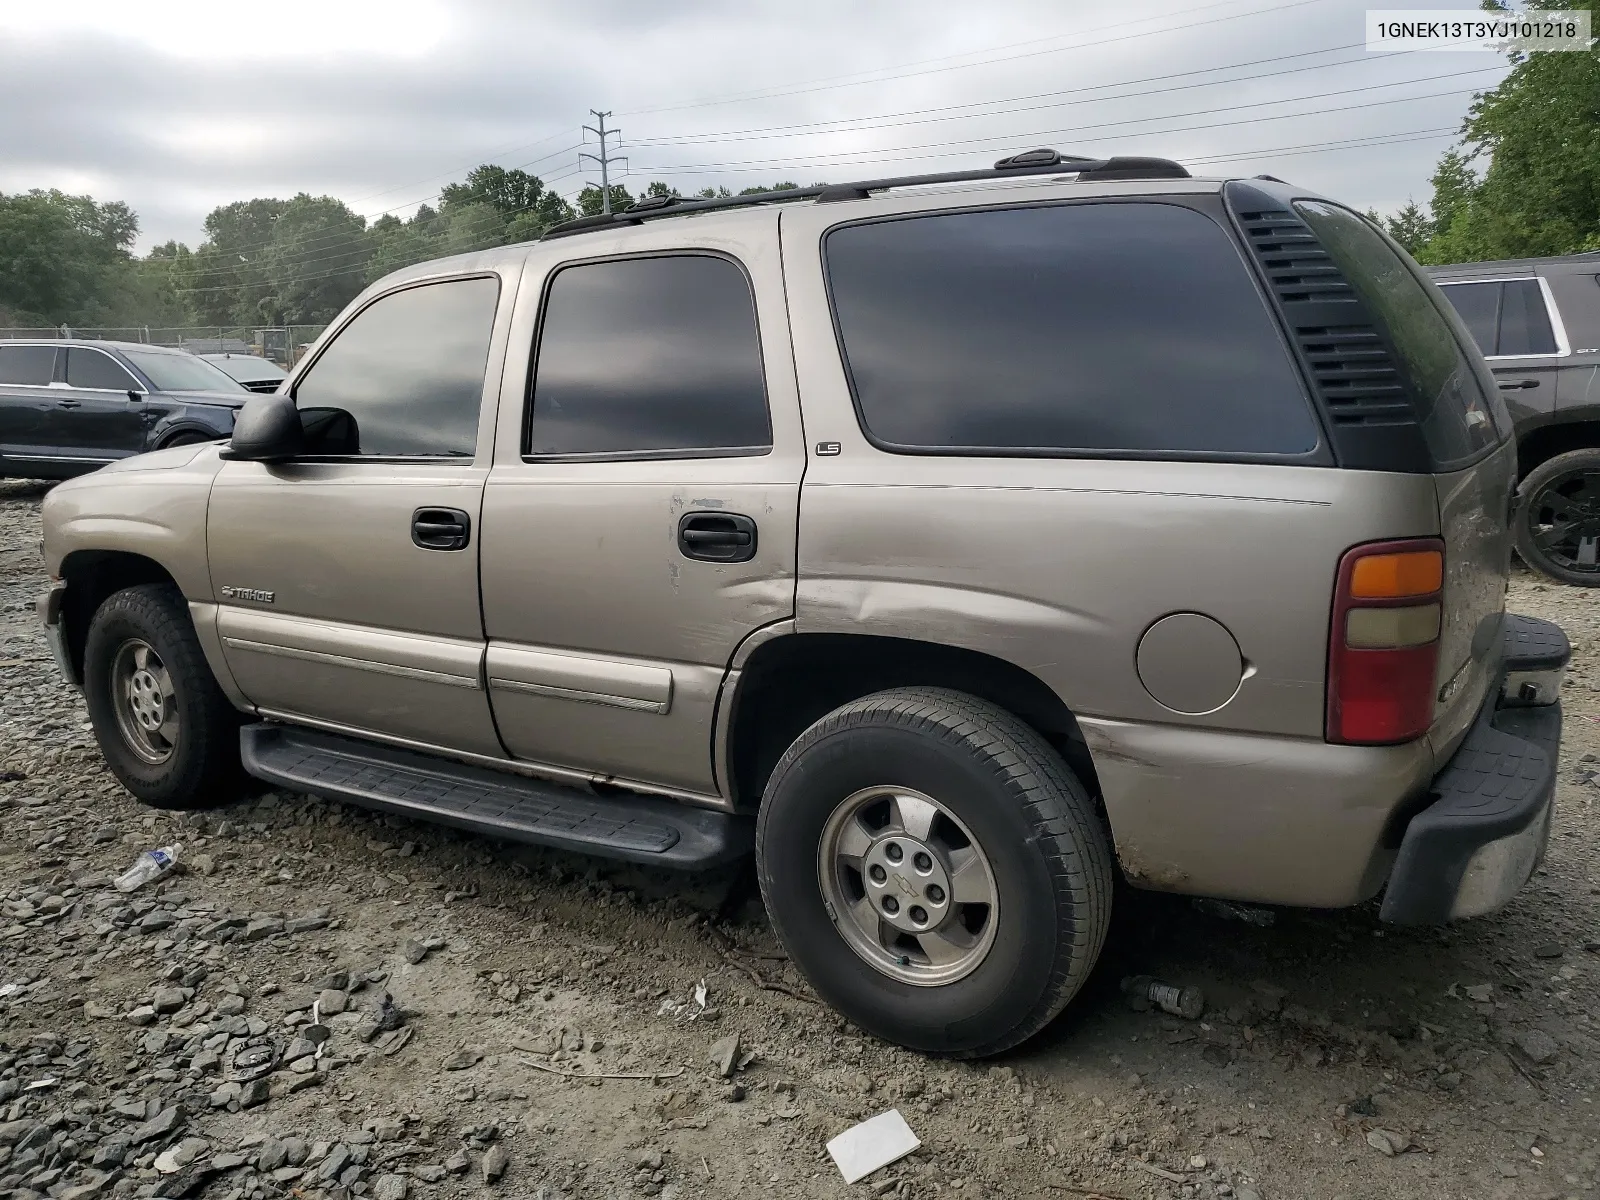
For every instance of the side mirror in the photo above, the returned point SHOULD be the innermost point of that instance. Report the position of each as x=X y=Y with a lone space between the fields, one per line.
x=267 y=429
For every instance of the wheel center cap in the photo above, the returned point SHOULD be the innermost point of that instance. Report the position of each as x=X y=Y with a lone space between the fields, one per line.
x=908 y=883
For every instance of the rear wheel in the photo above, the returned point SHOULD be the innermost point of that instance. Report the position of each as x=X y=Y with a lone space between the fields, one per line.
x=935 y=869
x=1558 y=518
x=166 y=730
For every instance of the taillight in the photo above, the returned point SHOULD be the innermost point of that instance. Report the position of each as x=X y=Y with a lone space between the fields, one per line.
x=1383 y=649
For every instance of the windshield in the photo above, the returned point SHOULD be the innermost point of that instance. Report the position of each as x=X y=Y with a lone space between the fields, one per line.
x=181 y=372
x=247 y=366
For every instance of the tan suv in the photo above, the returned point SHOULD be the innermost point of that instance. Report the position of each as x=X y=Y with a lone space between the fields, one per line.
x=956 y=543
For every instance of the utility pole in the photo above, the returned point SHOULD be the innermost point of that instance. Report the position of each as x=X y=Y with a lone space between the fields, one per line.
x=604 y=158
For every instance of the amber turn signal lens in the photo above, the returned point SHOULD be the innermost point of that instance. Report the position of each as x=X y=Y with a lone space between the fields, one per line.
x=1394 y=576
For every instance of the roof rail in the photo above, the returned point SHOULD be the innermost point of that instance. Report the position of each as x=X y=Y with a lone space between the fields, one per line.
x=1030 y=162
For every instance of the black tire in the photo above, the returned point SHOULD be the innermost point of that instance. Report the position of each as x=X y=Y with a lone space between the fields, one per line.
x=1034 y=821
x=1533 y=508
x=202 y=768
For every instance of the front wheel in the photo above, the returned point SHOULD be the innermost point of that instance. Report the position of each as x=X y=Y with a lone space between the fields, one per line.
x=1558 y=518
x=185 y=439
x=167 y=731
x=935 y=870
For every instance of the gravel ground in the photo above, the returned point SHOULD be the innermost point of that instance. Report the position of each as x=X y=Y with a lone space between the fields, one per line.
x=327 y=1002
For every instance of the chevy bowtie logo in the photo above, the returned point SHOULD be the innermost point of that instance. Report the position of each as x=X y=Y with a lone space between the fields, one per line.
x=239 y=593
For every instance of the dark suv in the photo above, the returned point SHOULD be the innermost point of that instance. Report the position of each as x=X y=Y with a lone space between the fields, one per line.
x=67 y=407
x=1537 y=321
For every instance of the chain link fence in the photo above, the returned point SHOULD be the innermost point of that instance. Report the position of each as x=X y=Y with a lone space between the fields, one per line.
x=283 y=344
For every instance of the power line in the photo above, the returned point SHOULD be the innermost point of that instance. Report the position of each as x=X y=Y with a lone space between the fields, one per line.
x=855 y=124
x=1161 y=117
x=842 y=81
x=848 y=158
x=490 y=156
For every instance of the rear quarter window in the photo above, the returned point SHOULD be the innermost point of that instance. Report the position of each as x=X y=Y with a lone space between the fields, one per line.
x=1453 y=394
x=27 y=366
x=1103 y=328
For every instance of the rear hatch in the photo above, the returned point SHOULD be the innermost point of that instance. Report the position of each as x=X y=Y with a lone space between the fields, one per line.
x=1403 y=387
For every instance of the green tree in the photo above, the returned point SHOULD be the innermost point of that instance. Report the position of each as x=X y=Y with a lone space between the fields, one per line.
x=1411 y=227
x=551 y=210
x=511 y=192
x=472 y=227
x=395 y=243
x=316 y=262
x=59 y=252
x=228 y=280
x=589 y=200
x=1538 y=132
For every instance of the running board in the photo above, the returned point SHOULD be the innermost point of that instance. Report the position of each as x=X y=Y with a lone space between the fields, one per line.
x=633 y=828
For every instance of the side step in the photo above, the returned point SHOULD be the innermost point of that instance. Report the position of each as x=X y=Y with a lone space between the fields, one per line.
x=633 y=828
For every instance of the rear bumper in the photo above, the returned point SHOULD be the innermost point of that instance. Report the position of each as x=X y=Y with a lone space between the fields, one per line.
x=49 y=607
x=1475 y=846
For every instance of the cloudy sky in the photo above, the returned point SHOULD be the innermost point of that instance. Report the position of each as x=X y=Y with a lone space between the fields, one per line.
x=176 y=106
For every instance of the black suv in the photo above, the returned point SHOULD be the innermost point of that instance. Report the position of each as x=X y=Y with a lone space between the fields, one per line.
x=67 y=407
x=1537 y=321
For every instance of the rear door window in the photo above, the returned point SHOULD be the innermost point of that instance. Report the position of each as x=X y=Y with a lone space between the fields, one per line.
x=1524 y=321
x=1479 y=307
x=1456 y=407
x=92 y=369
x=1109 y=328
x=27 y=366
x=1507 y=318
x=657 y=357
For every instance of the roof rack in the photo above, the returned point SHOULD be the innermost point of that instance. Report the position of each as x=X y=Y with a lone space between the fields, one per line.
x=1030 y=162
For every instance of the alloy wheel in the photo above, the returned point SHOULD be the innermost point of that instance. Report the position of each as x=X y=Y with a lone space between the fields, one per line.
x=908 y=886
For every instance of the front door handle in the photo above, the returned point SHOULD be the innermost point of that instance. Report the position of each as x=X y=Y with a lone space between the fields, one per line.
x=69 y=404
x=1516 y=385
x=717 y=537
x=440 y=529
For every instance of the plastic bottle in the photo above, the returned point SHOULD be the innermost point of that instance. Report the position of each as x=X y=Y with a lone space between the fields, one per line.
x=1145 y=991
x=152 y=864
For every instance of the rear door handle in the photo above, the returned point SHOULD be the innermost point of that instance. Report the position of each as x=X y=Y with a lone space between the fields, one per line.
x=440 y=529
x=717 y=537
x=1514 y=385
x=69 y=404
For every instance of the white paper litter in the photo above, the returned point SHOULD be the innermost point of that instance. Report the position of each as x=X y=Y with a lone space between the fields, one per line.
x=876 y=1142
x=689 y=1009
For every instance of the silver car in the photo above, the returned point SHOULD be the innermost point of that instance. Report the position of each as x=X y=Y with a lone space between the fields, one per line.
x=958 y=545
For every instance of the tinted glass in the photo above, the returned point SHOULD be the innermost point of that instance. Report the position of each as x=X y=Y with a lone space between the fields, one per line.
x=1524 y=321
x=27 y=365
x=180 y=371
x=649 y=354
x=409 y=370
x=92 y=369
x=1459 y=416
x=247 y=368
x=1479 y=306
x=1092 y=327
